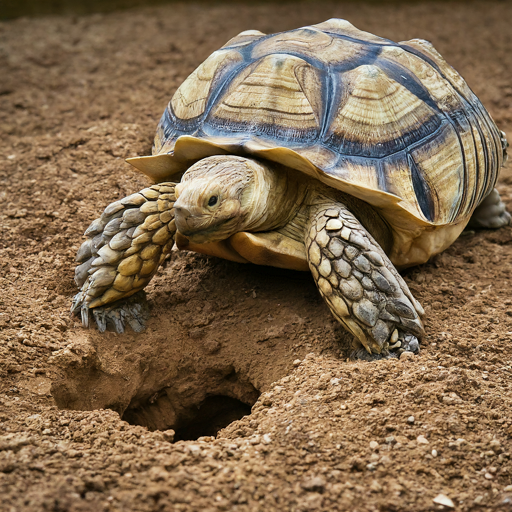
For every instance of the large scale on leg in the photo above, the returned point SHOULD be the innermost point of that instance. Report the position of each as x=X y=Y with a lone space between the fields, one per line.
x=324 y=148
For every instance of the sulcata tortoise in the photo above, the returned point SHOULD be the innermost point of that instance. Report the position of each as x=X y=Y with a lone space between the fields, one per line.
x=324 y=148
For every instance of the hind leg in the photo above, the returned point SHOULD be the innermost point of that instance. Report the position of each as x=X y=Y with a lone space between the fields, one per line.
x=490 y=213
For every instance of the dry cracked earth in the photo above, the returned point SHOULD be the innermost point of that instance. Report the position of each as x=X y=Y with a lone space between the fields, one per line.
x=239 y=395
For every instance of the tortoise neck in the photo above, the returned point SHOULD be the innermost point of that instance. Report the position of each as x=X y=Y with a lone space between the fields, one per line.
x=274 y=200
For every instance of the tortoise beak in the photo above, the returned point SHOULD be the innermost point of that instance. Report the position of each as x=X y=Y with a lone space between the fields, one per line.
x=181 y=216
x=189 y=220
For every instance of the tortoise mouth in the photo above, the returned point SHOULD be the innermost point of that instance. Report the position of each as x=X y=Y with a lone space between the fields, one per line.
x=201 y=229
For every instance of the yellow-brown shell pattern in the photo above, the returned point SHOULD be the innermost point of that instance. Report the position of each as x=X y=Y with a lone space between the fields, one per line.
x=365 y=111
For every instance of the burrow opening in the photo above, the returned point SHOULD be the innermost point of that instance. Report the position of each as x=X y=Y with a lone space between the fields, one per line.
x=215 y=413
x=195 y=412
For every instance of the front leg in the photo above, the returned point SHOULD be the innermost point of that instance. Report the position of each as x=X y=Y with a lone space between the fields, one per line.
x=123 y=251
x=361 y=286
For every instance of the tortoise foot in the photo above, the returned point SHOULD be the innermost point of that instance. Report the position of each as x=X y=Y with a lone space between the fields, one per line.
x=405 y=343
x=491 y=213
x=133 y=312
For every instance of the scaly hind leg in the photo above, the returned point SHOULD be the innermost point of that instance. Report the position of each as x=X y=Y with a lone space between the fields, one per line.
x=361 y=286
x=124 y=249
x=490 y=213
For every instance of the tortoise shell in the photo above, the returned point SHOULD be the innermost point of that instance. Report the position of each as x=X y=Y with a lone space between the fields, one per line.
x=390 y=123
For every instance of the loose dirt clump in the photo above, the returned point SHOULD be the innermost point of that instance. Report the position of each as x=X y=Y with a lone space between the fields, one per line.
x=239 y=395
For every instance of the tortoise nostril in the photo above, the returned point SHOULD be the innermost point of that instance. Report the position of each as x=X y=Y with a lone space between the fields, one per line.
x=182 y=211
x=181 y=217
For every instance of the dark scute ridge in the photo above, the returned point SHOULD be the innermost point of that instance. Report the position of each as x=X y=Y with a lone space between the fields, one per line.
x=168 y=125
x=271 y=132
x=381 y=150
x=407 y=79
x=422 y=191
x=461 y=124
x=386 y=42
x=178 y=125
x=221 y=82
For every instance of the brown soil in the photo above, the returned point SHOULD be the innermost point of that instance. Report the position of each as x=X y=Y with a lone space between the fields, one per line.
x=77 y=96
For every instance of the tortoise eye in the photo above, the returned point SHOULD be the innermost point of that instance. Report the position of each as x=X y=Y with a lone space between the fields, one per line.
x=212 y=201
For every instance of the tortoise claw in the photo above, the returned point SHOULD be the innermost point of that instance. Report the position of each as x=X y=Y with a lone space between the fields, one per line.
x=120 y=315
x=411 y=344
x=84 y=313
x=101 y=321
x=405 y=343
x=361 y=354
x=133 y=311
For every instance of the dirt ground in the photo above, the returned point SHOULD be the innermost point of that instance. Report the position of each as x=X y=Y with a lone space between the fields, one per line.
x=162 y=420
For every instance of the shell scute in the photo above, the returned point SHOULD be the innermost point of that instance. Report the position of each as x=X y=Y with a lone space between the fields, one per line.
x=244 y=38
x=269 y=97
x=426 y=50
x=437 y=176
x=318 y=48
x=378 y=116
x=190 y=99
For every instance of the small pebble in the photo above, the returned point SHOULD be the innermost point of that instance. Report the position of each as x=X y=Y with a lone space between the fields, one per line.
x=406 y=356
x=496 y=446
x=374 y=445
x=434 y=453
x=169 y=435
x=422 y=440
x=442 y=499
x=375 y=486
x=390 y=440
x=508 y=488
x=315 y=484
x=488 y=476
x=410 y=419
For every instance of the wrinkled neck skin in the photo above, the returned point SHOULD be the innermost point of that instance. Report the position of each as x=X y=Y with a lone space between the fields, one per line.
x=273 y=200
x=222 y=195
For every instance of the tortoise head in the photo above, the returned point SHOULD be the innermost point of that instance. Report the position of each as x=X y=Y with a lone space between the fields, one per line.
x=217 y=197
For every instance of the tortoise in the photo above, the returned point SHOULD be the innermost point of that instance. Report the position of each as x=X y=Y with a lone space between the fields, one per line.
x=325 y=149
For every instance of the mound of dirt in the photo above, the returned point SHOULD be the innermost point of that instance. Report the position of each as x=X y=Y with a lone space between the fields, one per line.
x=239 y=395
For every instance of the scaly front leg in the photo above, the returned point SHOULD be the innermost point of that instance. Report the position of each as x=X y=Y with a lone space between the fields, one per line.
x=362 y=287
x=124 y=249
